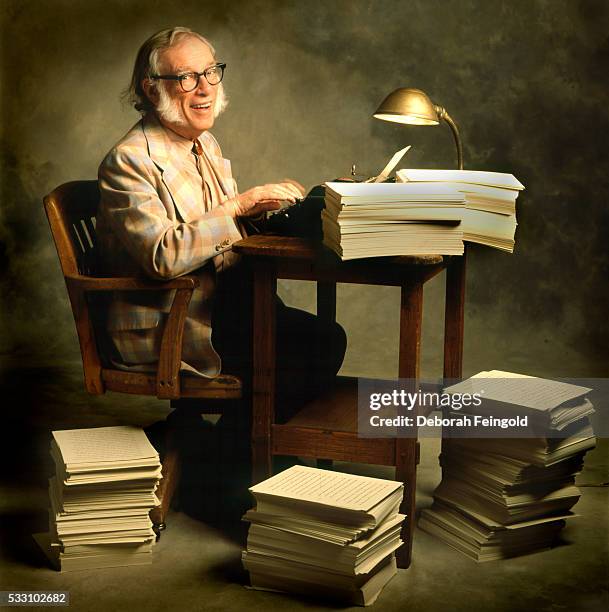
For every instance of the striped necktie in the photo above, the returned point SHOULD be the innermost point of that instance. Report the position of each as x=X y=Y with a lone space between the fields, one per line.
x=197 y=150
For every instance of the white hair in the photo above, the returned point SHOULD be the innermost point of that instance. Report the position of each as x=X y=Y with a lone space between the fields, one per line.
x=169 y=109
x=147 y=64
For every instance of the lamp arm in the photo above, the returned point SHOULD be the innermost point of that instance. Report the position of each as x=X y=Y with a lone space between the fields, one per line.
x=443 y=114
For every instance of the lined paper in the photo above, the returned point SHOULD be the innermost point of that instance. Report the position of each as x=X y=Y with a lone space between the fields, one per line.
x=103 y=444
x=528 y=391
x=336 y=489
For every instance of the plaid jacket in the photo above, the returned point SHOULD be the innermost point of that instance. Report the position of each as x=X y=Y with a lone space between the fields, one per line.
x=150 y=222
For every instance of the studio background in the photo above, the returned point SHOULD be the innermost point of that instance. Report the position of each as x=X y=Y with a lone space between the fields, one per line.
x=525 y=81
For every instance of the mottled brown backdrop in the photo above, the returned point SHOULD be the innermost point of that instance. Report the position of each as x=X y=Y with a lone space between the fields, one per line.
x=525 y=80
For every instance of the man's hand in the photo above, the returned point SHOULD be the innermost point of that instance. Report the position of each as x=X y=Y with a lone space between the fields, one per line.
x=258 y=200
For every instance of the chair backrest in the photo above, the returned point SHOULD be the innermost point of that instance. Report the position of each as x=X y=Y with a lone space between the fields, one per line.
x=71 y=210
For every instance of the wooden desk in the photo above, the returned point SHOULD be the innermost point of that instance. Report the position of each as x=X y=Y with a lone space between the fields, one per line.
x=327 y=428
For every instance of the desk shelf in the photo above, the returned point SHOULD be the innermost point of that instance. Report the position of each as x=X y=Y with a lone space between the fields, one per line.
x=326 y=428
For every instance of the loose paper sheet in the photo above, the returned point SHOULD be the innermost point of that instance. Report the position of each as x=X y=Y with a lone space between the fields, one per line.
x=519 y=389
x=101 y=444
x=393 y=162
x=335 y=489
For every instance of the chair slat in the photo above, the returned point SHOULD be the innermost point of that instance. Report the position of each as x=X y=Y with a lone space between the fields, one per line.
x=78 y=238
x=90 y=223
x=86 y=236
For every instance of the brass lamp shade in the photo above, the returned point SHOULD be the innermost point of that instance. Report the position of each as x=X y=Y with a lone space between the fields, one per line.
x=414 y=107
x=406 y=105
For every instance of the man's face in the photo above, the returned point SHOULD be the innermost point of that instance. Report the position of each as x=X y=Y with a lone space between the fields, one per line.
x=191 y=112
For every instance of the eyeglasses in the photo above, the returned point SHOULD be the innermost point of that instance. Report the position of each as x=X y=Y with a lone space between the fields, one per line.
x=189 y=81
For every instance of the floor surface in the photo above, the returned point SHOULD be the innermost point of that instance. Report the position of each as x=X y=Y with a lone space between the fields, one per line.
x=196 y=563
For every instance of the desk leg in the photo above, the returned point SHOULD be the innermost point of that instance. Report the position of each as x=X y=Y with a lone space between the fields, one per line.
x=453 y=318
x=263 y=383
x=406 y=448
x=453 y=326
x=326 y=314
x=326 y=301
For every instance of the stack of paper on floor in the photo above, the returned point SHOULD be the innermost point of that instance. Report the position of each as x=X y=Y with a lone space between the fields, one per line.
x=101 y=495
x=323 y=533
x=550 y=405
x=489 y=217
x=501 y=497
x=383 y=219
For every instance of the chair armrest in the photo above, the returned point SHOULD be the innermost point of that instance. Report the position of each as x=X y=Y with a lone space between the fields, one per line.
x=170 y=357
x=93 y=283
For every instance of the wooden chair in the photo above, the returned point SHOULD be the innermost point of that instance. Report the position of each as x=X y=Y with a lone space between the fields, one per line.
x=71 y=210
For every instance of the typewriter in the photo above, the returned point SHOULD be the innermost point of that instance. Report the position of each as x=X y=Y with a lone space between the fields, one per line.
x=303 y=219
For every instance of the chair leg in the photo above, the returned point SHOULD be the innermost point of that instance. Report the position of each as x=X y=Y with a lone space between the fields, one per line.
x=168 y=484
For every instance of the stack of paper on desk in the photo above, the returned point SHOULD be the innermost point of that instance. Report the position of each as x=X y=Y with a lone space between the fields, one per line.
x=502 y=497
x=101 y=495
x=324 y=533
x=382 y=219
x=489 y=217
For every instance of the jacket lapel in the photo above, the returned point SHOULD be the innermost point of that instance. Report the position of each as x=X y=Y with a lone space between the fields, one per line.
x=221 y=165
x=185 y=199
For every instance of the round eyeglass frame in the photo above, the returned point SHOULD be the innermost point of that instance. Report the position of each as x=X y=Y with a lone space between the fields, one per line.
x=180 y=77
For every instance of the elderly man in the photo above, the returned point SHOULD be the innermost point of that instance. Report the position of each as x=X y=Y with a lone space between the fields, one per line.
x=169 y=206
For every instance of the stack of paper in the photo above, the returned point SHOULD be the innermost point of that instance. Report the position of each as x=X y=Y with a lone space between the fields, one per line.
x=323 y=533
x=502 y=497
x=485 y=540
x=383 y=219
x=101 y=495
x=549 y=404
x=489 y=217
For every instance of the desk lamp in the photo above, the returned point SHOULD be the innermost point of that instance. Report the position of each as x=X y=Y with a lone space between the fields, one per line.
x=413 y=106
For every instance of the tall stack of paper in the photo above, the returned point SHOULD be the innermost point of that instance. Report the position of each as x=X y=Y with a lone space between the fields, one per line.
x=383 y=219
x=323 y=533
x=101 y=495
x=489 y=217
x=502 y=497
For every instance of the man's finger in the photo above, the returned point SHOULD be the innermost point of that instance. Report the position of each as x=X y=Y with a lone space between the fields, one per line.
x=292 y=189
x=301 y=190
x=269 y=204
x=276 y=192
